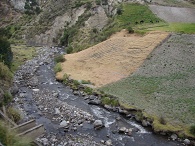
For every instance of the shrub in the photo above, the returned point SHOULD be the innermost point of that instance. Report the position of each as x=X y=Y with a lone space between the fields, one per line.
x=7 y=98
x=119 y=11
x=69 y=49
x=130 y=29
x=9 y=138
x=6 y=54
x=65 y=78
x=76 y=83
x=162 y=120
x=57 y=68
x=85 y=82
x=88 y=90
x=5 y=73
x=59 y=58
x=114 y=102
x=106 y=100
x=14 y=114
x=98 y=2
x=192 y=130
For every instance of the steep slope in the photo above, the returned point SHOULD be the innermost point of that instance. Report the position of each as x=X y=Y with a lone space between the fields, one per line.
x=113 y=59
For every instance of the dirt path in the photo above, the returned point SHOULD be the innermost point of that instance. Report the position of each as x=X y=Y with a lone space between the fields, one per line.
x=174 y=14
x=111 y=60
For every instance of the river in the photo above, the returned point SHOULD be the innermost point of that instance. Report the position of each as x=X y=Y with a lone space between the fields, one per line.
x=50 y=102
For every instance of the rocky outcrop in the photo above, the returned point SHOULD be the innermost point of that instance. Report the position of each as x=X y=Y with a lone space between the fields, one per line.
x=18 y=4
x=56 y=30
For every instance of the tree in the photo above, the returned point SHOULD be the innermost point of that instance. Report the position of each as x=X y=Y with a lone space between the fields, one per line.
x=6 y=54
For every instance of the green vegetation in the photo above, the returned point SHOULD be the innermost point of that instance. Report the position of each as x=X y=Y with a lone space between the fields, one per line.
x=57 y=68
x=21 y=54
x=59 y=58
x=31 y=7
x=13 y=114
x=5 y=73
x=192 y=130
x=136 y=14
x=163 y=85
x=6 y=54
x=88 y=90
x=85 y=82
x=109 y=101
x=8 y=137
x=188 y=28
x=130 y=16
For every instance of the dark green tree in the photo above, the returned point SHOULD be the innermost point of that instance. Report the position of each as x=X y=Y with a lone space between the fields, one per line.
x=6 y=54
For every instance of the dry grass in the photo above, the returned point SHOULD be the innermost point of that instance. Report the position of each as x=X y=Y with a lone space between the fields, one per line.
x=111 y=60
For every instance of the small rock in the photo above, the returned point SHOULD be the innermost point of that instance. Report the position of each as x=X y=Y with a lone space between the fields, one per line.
x=57 y=111
x=108 y=142
x=144 y=123
x=95 y=102
x=98 y=124
x=122 y=130
x=102 y=141
x=45 y=141
x=14 y=90
x=129 y=133
x=35 y=90
x=118 y=118
x=108 y=107
x=55 y=94
x=187 y=141
x=63 y=124
x=92 y=97
x=173 y=136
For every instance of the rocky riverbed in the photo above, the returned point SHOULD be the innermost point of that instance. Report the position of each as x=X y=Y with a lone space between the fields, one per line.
x=68 y=118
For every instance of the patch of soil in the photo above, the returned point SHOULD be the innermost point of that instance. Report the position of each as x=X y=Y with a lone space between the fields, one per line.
x=174 y=14
x=111 y=60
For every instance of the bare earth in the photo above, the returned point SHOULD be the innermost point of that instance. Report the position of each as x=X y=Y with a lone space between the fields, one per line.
x=174 y=14
x=111 y=60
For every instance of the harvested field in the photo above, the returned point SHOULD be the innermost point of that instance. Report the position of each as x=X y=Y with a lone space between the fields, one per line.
x=164 y=86
x=174 y=14
x=111 y=60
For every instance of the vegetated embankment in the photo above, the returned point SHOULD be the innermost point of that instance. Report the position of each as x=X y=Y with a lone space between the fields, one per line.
x=164 y=86
x=111 y=60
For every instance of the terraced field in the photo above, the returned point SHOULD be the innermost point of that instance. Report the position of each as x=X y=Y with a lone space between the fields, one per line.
x=164 y=86
x=111 y=60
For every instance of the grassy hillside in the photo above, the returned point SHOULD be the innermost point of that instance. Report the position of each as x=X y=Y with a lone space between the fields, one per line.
x=164 y=85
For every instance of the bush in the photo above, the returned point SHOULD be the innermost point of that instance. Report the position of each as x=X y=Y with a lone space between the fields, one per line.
x=88 y=90
x=130 y=29
x=106 y=100
x=13 y=114
x=9 y=138
x=98 y=2
x=6 y=54
x=5 y=73
x=7 y=98
x=85 y=82
x=69 y=49
x=110 y=101
x=65 y=78
x=119 y=11
x=192 y=130
x=59 y=58
x=57 y=68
